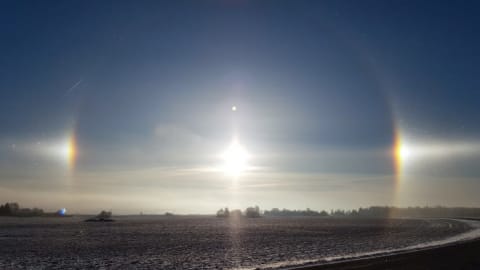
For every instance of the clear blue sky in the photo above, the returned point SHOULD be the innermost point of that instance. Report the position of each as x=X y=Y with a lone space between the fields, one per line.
x=144 y=89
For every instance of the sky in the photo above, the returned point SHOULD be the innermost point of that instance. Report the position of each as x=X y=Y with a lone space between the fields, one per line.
x=189 y=106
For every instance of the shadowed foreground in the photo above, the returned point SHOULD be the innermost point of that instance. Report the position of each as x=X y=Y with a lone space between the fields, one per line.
x=465 y=256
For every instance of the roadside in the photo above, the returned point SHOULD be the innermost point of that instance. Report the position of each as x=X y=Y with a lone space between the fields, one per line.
x=463 y=256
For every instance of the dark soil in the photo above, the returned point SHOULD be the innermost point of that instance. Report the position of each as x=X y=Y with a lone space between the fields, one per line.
x=202 y=242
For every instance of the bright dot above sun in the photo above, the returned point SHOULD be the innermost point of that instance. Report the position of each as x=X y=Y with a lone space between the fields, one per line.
x=235 y=159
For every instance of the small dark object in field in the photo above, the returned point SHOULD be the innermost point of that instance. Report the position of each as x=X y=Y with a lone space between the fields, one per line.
x=104 y=216
x=95 y=219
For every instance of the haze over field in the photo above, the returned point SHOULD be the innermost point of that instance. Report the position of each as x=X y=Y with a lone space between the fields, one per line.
x=191 y=106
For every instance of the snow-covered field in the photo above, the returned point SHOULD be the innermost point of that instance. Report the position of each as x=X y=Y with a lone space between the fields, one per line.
x=208 y=242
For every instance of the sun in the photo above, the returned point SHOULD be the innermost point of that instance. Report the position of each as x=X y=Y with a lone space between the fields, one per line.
x=235 y=159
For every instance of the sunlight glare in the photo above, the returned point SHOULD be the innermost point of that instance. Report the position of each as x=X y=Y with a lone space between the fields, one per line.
x=68 y=151
x=405 y=152
x=235 y=159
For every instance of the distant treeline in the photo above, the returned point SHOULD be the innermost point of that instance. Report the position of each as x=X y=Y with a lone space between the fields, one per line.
x=382 y=212
x=275 y=212
x=250 y=212
x=437 y=211
x=13 y=209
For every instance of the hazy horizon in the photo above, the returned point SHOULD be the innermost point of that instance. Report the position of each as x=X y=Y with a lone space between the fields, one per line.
x=189 y=106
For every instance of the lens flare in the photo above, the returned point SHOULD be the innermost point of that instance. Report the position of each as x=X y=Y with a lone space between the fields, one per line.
x=62 y=212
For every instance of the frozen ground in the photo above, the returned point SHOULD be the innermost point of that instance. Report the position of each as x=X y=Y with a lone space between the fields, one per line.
x=206 y=242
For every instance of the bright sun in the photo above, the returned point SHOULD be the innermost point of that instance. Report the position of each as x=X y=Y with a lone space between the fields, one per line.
x=235 y=159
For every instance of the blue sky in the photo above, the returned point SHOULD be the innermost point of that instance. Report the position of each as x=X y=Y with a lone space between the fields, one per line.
x=322 y=89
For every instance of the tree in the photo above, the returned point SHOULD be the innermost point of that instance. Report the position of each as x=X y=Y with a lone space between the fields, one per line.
x=223 y=212
x=252 y=212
